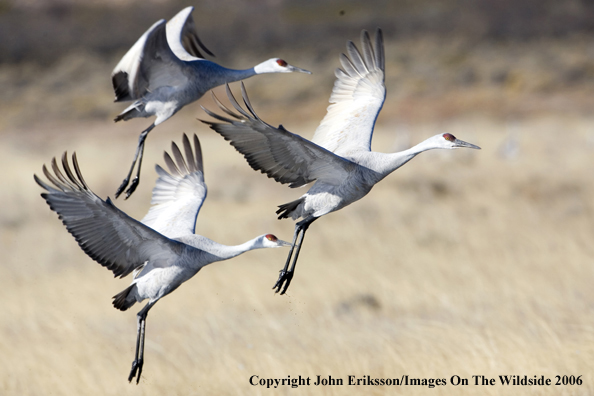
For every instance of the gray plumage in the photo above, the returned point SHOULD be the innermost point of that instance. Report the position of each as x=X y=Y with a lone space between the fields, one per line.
x=165 y=71
x=338 y=158
x=162 y=251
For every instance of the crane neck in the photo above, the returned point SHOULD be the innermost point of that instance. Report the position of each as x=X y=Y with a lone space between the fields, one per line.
x=217 y=251
x=233 y=75
x=210 y=74
x=388 y=163
x=226 y=252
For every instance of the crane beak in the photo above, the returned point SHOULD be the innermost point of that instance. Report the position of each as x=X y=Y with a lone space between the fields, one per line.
x=462 y=143
x=298 y=69
x=283 y=243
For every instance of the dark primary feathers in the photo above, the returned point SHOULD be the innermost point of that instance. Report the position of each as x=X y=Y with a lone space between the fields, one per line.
x=132 y=76
x=189 y=36
x=121 y=88
x=105 y=233
x=280 y=154
x=149 y=64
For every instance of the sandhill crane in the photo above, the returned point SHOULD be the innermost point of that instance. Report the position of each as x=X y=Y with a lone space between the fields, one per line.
x=165 y=70
x=162 y=250
x=339 y=158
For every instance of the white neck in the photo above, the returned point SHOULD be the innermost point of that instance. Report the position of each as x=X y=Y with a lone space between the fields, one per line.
x=384 y=164
x=218 y=251
x=226 y=252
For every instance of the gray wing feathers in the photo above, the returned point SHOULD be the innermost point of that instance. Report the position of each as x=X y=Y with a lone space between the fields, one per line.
x=156 y=58
x=149 y=64
x=286 y=157
x=178 y=194
x=380 y=60
x=358 y=63
x=129 y=81
x=105 y=233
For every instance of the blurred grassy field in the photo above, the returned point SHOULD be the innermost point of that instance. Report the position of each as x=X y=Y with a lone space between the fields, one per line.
x=460 y=263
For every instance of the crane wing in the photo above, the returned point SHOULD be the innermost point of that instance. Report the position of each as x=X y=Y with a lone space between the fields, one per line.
x=149 y=64
x=357 y=98
x=183 y=38
x=178 y=194
x=105 y=233
x=282 y=155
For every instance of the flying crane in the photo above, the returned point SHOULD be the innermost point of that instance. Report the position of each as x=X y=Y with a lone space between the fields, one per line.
x=165 y=71
x=338 y=158
x=162 y=251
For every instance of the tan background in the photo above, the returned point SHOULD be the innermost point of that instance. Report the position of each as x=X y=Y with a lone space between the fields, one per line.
x=461 y=263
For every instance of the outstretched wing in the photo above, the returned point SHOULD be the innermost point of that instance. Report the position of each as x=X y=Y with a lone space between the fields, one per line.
x=357 y=98
x=148 y=65
x=282 y=155
x=183 y=38
x=178 y=194
x=105 y=233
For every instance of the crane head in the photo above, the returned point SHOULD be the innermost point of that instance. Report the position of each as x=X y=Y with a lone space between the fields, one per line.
x=277 y=65
x=271 y=241
x=449 y=141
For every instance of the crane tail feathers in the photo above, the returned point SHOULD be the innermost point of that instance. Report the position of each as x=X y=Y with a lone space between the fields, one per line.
x=285 y=210
x=120 y=300
x=130 y=112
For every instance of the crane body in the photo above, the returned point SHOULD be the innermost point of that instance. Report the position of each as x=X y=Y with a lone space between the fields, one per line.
x=165 y=70
x=338 y=160
x=161 y=251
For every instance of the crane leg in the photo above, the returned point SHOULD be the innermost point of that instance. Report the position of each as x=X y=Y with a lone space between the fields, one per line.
x=138 y=362
x=137 y=159
x=283 y=272
x=286 y=274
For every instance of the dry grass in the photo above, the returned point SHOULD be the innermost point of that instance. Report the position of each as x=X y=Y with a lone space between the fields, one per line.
x=461 y=263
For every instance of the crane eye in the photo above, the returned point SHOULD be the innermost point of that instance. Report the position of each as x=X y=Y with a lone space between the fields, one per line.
x=271 y=237
x=281 y=62
x=449 y=137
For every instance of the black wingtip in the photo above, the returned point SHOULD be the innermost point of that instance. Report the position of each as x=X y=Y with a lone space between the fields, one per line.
x=120 y=86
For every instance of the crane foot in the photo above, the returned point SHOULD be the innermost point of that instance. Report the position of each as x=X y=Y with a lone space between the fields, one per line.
x=132 y=187
x=136 y=367
x=285 y=278
x=122 y=187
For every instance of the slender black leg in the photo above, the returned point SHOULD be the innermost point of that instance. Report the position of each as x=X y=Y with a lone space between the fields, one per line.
x=135 y=362
x=287 y=275
x=138 y=362
x=292 y=270
x=283 y=272
x=137 y=159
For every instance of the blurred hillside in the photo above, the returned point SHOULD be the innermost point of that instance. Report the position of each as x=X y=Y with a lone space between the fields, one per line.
x=444 y=58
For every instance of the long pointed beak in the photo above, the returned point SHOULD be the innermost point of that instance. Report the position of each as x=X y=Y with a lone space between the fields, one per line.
x=298 y=69
x=283 y=243
x=462 y=143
